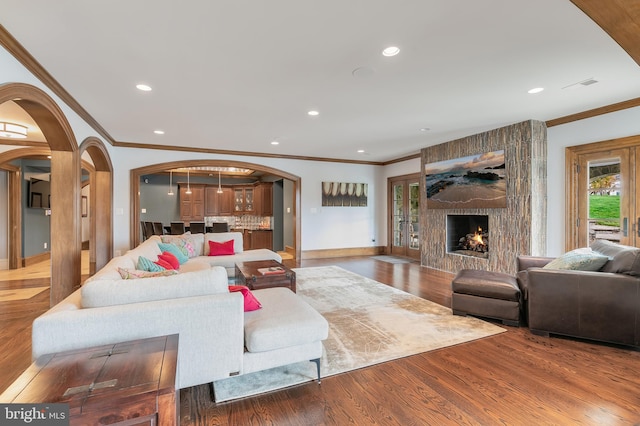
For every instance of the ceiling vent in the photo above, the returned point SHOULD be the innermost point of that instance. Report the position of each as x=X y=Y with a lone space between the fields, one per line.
x=587 y=82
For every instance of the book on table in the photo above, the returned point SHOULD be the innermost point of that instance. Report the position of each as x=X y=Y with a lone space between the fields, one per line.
x=273 y=270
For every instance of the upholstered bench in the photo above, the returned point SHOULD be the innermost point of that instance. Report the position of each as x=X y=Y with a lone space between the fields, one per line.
x=487 y=294
x=285 y=326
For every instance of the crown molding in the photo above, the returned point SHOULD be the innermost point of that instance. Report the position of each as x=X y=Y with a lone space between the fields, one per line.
x=631 y=103
x=242 y=153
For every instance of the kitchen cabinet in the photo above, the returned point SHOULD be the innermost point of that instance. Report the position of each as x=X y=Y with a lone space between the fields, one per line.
x=246 y=239
x=264 y=199
x=218 y=204
x=243 y=200
x=261 y=238
x=192 y=205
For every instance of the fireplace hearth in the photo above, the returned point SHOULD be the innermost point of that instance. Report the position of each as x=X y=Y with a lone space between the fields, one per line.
x=468 y=235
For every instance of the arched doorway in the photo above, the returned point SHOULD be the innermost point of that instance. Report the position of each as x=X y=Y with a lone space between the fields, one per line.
x=101 y=220
x=65 y=183
x=134 y=234
x=15 y=195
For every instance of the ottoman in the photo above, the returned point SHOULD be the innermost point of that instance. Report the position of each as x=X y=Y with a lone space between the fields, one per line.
x=487 y=294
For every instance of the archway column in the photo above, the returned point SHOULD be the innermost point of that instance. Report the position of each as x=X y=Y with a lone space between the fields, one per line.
x=101 y=219
x=15 y=219
x=66 y=235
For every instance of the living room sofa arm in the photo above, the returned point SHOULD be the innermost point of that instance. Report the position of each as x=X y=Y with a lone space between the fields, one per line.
x=594 y=305
x=209 y=327
x=526 y=262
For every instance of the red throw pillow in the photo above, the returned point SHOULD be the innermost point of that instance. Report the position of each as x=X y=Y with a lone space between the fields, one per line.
x=250 y=301
x=164 y=264
x=170 y=258
x=221 y=249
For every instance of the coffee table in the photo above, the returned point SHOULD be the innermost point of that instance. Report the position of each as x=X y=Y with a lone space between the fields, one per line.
x=247 y=273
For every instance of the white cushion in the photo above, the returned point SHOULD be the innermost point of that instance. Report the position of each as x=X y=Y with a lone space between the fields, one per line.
x=120 y=292
x=284 y=320
x=194 y=265
x=148 y=248
x=229 y=261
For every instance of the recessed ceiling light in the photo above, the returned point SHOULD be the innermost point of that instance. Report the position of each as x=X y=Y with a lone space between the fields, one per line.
x=536 y=90
x=425 y=129
x=360 y=151
x=159 y=132
x=143 y=87
x=313 y=113
x=391 y=51
x=275 y=143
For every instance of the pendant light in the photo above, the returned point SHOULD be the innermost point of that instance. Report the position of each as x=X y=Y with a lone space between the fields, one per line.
x=170 y=183
x=219 y=187
x=188 y=191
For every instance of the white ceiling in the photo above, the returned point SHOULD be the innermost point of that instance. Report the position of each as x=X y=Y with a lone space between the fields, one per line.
x=237 y=74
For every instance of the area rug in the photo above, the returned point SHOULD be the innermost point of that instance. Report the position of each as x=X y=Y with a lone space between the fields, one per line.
x=391 y=259
x=369 y=323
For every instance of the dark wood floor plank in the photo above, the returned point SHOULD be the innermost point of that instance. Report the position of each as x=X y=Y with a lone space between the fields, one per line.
x=514 y=378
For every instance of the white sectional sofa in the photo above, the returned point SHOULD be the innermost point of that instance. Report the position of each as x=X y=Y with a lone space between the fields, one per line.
x=217 y=339
x=198 y=260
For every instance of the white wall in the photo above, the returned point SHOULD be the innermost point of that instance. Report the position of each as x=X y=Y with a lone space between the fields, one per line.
x=603 y=127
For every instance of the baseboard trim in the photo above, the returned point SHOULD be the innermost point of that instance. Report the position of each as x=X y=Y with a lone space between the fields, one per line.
x=343 y=252
x=36 y=258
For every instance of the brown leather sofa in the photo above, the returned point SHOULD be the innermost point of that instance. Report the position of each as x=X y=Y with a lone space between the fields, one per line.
x=603 y=305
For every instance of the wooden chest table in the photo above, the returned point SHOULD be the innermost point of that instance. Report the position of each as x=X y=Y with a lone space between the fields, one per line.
x=130 y=383
x=247 y=273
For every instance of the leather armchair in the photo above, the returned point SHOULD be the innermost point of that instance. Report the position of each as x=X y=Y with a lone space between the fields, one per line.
x=602 y=305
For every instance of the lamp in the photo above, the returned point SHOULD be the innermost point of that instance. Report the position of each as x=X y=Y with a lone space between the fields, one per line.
x=188 y=191
x=12 y=130
x=219 y=187
x=170 y=183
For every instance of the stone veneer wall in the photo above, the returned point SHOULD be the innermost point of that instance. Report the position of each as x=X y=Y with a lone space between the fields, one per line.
x=520 y=228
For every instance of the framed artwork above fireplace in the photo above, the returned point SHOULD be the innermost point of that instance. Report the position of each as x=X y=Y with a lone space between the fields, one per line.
x=472 y=182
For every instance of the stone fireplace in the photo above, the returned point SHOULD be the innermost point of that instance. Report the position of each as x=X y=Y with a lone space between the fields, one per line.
x=468 y=235
x=517 y=229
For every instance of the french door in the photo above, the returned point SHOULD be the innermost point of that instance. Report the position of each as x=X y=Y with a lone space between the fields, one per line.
x=404 y=215
x=603 y=201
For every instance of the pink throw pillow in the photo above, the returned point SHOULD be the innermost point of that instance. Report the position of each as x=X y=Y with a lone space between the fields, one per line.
x=250 y=301
x=163 y=263
x=171 y=259
x=221 y=249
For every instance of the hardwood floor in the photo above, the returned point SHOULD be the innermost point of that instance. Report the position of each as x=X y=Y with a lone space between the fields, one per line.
x=514 y=378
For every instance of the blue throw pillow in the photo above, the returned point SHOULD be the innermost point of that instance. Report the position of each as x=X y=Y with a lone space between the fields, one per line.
x=175 y=250
x=145 y=264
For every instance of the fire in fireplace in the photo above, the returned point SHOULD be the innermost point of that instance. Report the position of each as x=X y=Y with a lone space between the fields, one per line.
x=468 y=235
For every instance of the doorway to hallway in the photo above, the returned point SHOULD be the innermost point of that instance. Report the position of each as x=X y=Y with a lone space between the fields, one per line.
x=404 y=216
